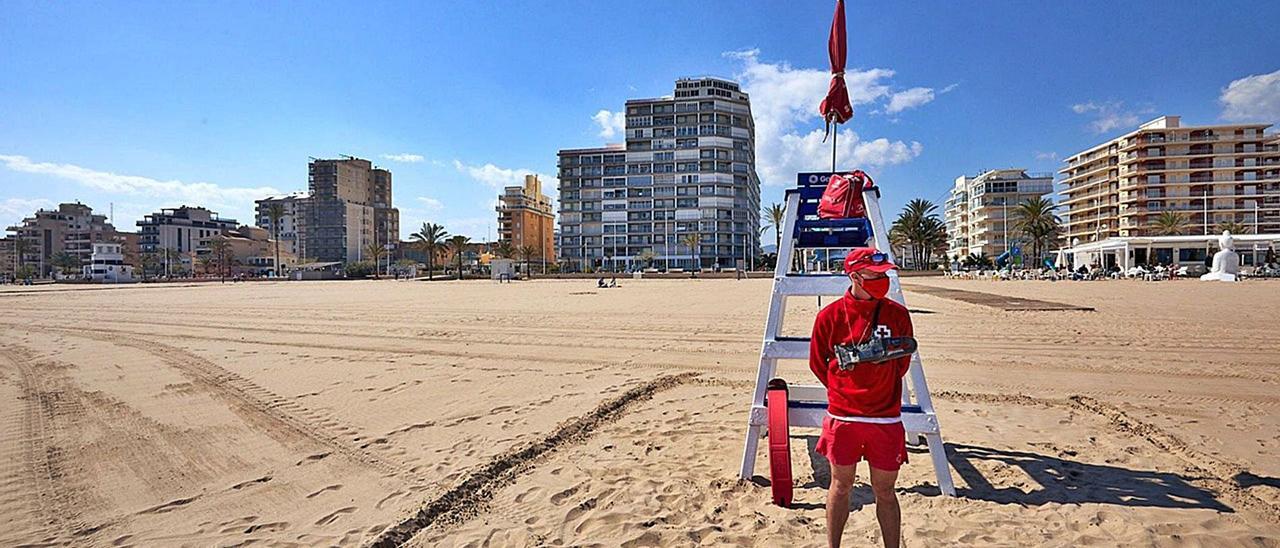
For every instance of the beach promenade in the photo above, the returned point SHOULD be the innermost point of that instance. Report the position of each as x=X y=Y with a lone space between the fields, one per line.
x=556 y=413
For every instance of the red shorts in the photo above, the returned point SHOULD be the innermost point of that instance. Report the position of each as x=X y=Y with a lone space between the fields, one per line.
x=844 y=443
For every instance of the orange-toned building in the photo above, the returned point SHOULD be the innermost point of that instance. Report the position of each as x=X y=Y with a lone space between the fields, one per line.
x=525 y=218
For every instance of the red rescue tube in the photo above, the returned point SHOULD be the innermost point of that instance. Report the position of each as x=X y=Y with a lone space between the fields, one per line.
x=779 y=443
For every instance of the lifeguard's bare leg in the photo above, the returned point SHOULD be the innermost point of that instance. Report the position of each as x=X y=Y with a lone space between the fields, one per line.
x=842 y=478
x=887 y=511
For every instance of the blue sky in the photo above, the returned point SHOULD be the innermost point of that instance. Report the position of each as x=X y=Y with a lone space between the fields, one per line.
x=149 y=105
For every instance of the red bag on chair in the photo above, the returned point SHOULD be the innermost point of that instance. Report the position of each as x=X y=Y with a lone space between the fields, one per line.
x=843 y=197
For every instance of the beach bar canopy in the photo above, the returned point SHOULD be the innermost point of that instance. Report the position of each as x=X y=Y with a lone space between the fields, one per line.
x=1128 y=252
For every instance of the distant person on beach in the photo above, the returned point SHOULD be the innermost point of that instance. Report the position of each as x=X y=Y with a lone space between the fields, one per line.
x=865 y=402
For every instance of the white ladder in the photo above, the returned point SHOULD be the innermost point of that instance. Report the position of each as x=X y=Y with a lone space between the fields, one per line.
x=807 y=404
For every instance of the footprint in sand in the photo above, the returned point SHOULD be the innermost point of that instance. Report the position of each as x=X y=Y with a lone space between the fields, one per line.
x=559 y=497
x=168 y=506
x=388 y=498
x=239 y=521
x=274 y=527
x=335 y=515
x=378 y=441
x=333 y=487
x=314 y=457
x=244 y=484
x=535 y=492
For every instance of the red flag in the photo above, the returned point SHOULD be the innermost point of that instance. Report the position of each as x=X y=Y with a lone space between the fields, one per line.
x=835 y=107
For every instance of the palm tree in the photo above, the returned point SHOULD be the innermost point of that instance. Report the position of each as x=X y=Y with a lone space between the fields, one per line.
x=20 y=248
x=65 y=262
x=148 y=262
x=777 y=213
x=1035 y=219
x=918 y=229
x=375 y=252
x=504 y=249
x=898 y=240
x=978 y=260
x=646 y=257
x=527 y=253
x=276 y=212
x=692 y=241
x=1171 y=223
x=934 y=244
x=1232 y=226
x=169 y=255
x=458 y=244
x=220 y=248
x=430 y=239
x=206 y=264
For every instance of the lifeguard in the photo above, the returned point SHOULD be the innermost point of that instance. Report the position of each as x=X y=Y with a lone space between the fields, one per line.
x=864 y=397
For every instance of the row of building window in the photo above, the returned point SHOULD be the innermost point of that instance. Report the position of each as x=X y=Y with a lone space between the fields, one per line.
x=644 y=169
x=668 y=108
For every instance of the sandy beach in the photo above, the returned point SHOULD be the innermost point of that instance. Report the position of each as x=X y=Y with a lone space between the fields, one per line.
x=554 y=413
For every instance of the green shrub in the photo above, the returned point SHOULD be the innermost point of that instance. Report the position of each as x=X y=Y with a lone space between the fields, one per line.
x=362 y=269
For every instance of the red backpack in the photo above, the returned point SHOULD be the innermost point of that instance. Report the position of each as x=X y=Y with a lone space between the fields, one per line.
x=843 y=197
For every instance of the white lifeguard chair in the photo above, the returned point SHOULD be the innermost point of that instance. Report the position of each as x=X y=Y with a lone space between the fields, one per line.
x=807 y=404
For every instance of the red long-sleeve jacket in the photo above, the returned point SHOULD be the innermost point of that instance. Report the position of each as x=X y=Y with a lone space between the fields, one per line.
x=869 y=390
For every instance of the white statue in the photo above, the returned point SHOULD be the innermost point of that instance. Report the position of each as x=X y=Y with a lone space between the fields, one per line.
x=1226 y=263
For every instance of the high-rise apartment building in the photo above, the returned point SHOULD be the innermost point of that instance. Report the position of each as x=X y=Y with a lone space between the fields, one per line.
x=525 y=218
x=291 y=229
x=72 y=228
x=682 y=190
x=1207 y=174
x=386 y=219
x=348 y=209
x=185 y=231
x=981 y=209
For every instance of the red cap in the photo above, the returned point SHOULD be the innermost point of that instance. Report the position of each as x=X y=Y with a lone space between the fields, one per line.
x=867 y=258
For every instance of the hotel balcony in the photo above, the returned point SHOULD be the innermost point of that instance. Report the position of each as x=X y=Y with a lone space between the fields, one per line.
x=1092 y=171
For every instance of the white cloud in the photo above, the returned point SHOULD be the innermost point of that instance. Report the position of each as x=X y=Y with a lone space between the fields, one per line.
x=498 y=177
x=1253 y=98
x=491 y=175
x=14 y=210
x=1109 y=115
x=206 y=194
x=784 y=103
x=404 y=158
x=910 y=98
x=808 y=152
x=430 y=204
x=611 y=123
x=914 y=97
x=1052 y=156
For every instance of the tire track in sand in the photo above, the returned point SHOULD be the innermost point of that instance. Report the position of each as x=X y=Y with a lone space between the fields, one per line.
x=1216 y=474
x=37 y=473
x=468 y=498
x=279 y=415
x=469 y=354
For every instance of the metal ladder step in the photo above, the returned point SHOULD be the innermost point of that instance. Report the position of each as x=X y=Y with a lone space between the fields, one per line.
x=810 y=285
